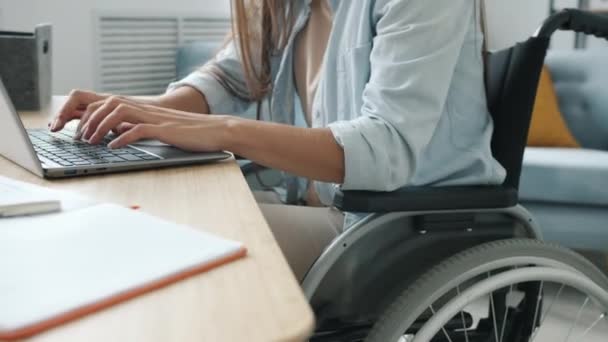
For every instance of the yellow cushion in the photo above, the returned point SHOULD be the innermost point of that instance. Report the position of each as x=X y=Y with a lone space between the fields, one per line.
x=548 y=128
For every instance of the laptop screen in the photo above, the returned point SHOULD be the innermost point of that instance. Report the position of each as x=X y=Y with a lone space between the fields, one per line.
x=14 y=143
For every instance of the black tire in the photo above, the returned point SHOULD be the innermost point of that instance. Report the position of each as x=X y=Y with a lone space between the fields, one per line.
x=467 y=265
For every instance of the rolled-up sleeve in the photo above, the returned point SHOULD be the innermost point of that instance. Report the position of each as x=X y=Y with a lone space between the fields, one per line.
x=219 y=98
x=413 y=59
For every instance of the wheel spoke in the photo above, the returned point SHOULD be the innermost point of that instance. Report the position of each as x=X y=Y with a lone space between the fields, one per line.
x=504 y=317
x=601 y=317
x=442 y=328
x=559 y=292
x=464 y=325
x=493 y=313
x=547 y=311
x=578 y=316
x=539 y=298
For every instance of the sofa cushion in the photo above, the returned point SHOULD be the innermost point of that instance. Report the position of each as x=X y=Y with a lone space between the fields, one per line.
x=562 y=175
x=581 y=78
x=548 y=128
x=193 y=55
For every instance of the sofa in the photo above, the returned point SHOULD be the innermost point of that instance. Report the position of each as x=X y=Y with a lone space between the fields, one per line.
x=567 y=189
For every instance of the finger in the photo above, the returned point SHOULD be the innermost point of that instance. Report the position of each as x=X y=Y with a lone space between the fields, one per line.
x=82 y=126
x=91 y=108
x=122 y=128
x=122 y=113
x=109 y=105
x=72 y=108
x=85 y=117
x=139 y=132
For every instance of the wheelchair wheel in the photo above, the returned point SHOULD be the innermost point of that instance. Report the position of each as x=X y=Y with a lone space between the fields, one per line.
x=511 y=290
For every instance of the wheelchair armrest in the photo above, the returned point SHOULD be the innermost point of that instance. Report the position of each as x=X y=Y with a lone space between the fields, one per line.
x=427 y=198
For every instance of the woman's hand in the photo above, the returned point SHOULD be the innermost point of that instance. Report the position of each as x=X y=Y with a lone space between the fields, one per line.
x=274 y=145
x=135 y=121
x=81 y=104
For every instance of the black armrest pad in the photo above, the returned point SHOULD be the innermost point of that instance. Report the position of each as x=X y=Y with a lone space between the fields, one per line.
x=427 y=198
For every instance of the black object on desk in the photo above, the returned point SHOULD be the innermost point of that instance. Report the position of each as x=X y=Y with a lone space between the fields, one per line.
x=25 y=66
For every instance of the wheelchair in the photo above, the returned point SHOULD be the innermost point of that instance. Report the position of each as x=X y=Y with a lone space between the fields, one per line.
x=461 y=263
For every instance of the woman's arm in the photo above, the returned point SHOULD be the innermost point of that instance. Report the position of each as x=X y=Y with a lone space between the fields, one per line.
x=306 y=152
x=186 y=99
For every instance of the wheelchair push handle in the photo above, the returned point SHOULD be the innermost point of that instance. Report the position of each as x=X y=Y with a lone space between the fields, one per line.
x=577 y=21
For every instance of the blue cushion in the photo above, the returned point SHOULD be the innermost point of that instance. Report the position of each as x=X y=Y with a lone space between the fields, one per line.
x=561 y=175
x=581 y=80
x=193 y=55
x=581 y=227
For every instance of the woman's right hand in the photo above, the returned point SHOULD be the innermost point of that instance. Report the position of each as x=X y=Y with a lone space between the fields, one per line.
x=81 y=104
x=74 y=108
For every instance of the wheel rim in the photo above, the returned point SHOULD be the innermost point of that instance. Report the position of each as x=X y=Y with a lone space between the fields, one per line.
x=566 y=278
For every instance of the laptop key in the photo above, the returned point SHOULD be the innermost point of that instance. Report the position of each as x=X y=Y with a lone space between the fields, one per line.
x=114 y=159
x=130 y=157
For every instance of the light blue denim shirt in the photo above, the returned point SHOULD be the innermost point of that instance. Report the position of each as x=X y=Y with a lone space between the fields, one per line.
x=401 y=90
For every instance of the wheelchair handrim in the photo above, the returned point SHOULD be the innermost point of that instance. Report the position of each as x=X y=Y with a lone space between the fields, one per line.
x=505 y=279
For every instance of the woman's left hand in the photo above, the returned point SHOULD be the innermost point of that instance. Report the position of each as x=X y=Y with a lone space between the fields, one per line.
x=133 y=122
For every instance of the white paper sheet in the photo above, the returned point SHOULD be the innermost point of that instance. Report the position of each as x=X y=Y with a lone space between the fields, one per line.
x=11 y=189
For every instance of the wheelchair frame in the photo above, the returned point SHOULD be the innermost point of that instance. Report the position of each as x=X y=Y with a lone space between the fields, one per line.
x=346 y=300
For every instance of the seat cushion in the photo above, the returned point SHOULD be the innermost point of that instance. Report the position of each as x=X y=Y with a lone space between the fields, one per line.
x=563 y=175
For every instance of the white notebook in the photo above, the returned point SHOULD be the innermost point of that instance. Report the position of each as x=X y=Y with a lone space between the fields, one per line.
x=58 y=267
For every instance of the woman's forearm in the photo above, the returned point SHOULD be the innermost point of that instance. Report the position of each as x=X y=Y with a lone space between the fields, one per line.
x=186 y=99
x=307 y=152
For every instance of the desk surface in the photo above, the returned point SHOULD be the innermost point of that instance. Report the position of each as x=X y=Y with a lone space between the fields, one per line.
x=253 y=299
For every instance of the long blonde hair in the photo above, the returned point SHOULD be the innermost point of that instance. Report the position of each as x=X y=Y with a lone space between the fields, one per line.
x=260 y=29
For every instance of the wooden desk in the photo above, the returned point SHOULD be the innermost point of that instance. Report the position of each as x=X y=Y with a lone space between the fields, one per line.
x=253 y=299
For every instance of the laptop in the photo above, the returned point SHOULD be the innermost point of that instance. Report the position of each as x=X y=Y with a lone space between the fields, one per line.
x=58 y=155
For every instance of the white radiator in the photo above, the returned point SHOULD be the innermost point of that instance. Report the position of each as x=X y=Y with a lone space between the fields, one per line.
x=136 y=54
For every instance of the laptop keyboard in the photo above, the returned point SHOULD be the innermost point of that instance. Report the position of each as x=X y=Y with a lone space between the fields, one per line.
x=64 y=150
